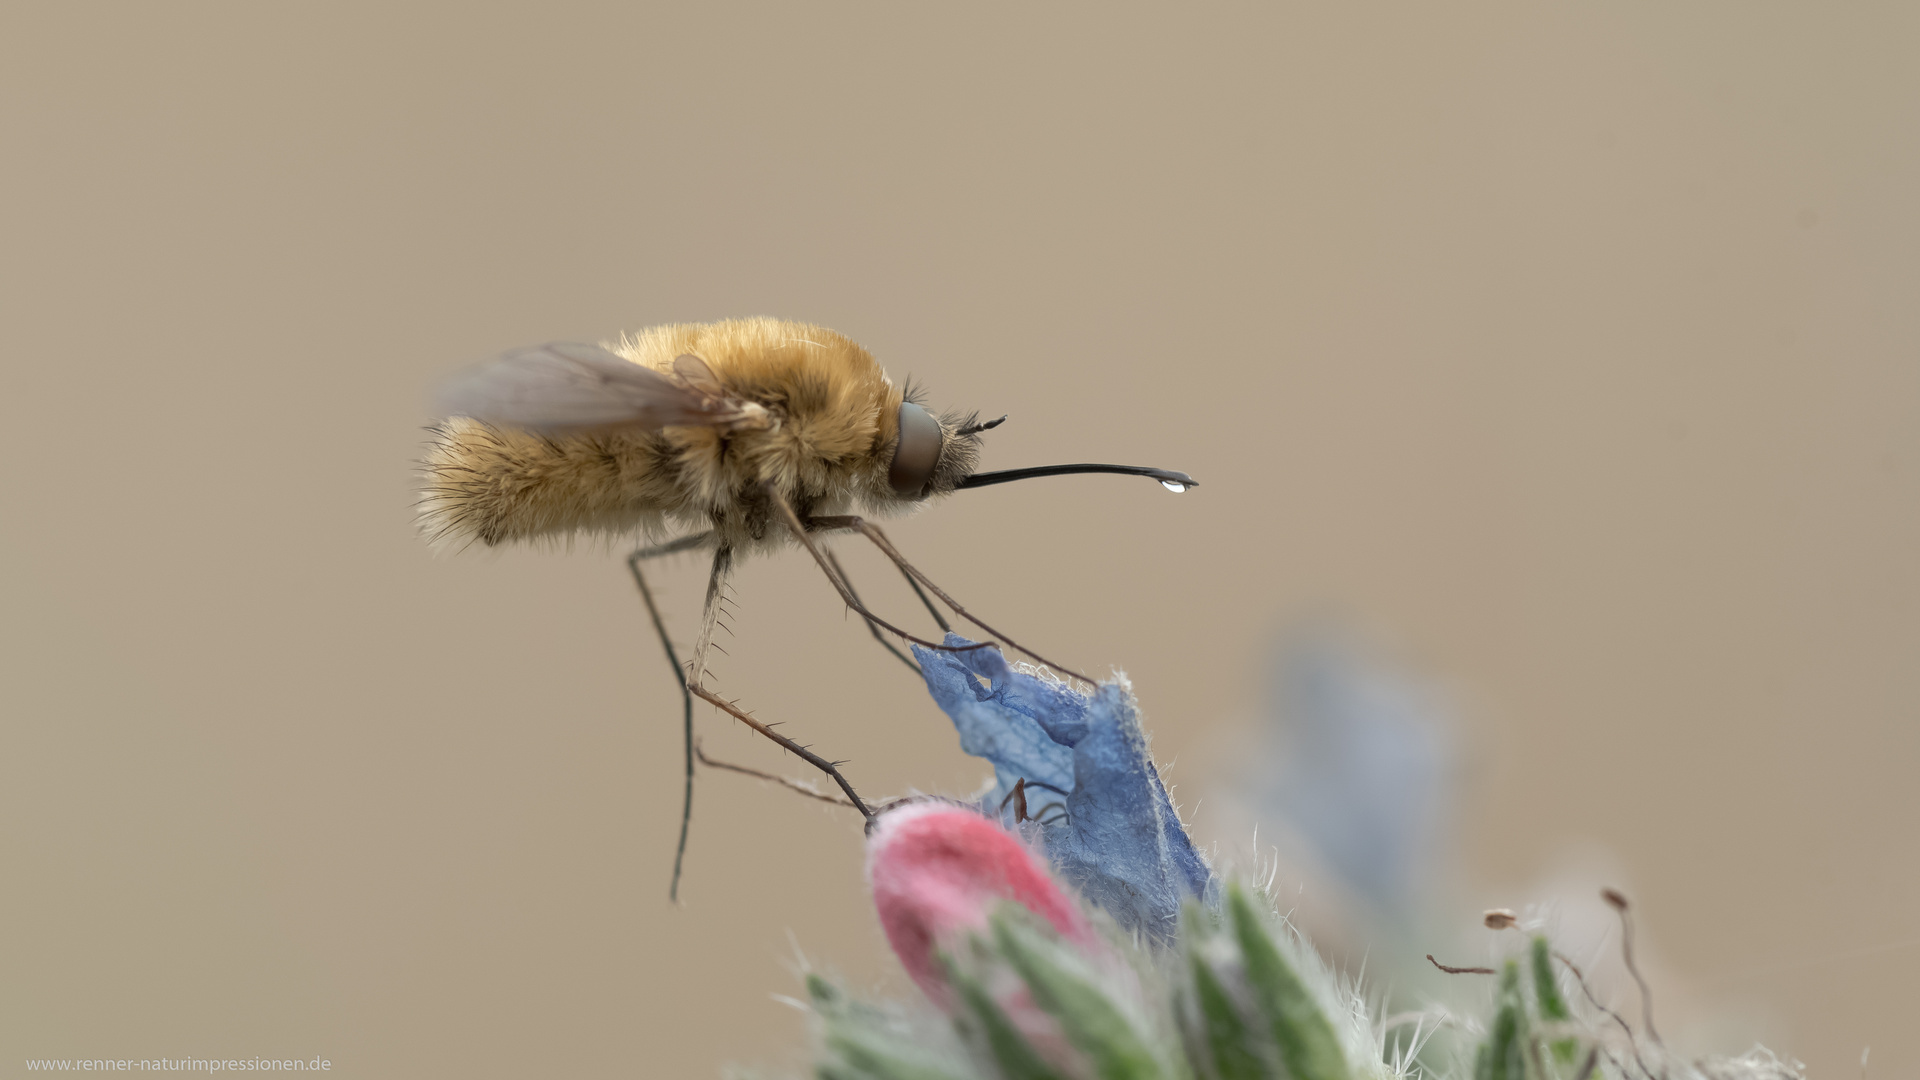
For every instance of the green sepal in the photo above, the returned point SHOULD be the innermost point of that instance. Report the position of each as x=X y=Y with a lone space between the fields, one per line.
x=873 y=1058
x=1545 y=989
x=1503 y=1056
x=862 y=1046
x=1090 y=1021
x=1229 y=1041
x=1198 y=923
x=1016 y=1057
x=1308 y=1046
x=824 y=996
x=1552 y=1006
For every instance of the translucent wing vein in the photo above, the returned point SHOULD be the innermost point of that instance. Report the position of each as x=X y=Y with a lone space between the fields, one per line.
x=562 y=385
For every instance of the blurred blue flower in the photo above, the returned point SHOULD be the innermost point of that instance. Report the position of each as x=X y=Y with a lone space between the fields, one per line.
x=1092 y=791
x=1359 y=758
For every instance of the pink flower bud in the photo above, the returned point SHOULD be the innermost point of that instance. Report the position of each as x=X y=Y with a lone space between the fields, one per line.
x=938 y=870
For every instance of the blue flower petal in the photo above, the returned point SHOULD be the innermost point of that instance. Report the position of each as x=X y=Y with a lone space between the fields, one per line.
x=1119 y=840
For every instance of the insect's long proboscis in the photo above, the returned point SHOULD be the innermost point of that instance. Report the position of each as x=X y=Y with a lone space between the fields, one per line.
x=1173 y=481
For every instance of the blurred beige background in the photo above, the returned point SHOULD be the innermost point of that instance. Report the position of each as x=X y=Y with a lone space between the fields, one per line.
x=1573 y=354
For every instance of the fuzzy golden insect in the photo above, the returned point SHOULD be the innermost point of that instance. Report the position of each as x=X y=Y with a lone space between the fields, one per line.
x=738 y=436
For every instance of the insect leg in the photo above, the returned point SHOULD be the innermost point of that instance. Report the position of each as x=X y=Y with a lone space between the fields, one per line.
x=790 y=784
x=1018 y=797
x=846 y=594
x=673 y=660
x=709 y=616
x=872 y=629
x=938 y=619
x=802 y=752
x=696 y=672
x=873 y=533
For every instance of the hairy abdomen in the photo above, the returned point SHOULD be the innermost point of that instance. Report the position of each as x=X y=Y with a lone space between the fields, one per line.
x=496 y=485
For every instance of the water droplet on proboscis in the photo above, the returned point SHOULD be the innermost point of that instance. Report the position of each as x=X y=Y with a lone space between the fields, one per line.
x=1174 y=486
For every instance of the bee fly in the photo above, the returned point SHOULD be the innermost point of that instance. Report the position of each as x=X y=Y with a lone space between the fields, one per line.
x=739 y=436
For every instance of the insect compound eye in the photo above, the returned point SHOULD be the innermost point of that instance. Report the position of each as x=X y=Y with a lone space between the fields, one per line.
x=917 y=453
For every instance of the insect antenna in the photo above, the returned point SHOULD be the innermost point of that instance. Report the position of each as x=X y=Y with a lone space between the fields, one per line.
x=973 y=428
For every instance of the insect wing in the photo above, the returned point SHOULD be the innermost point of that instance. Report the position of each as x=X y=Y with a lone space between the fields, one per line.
x=569 y=385
x=694 y=372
